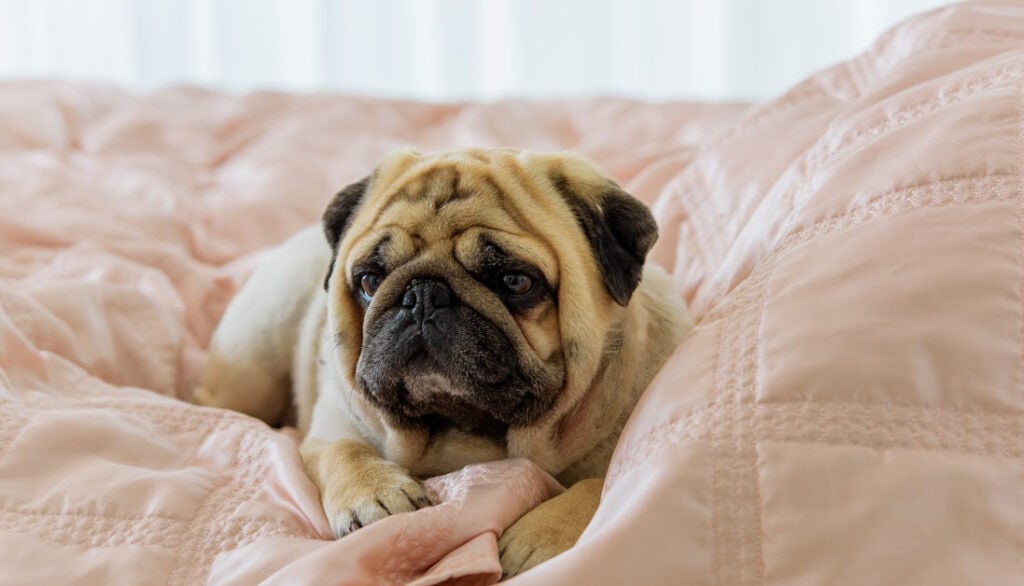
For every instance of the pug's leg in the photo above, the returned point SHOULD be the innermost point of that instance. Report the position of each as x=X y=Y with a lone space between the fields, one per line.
x=250 y=355
x=357 y=486
x=549 y=529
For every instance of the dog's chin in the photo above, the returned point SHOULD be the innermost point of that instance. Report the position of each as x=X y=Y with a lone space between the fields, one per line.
x=421 y=393
x=434 y=401
x=431 y=388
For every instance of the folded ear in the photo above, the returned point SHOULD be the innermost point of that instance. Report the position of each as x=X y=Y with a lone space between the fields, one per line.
x=338 y=216
x=621 y=231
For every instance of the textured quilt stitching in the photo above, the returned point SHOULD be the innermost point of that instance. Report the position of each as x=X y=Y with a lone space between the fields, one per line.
x=201 y=543
x=974 y=37
x=192 y=540
x=14 y=418
x=689 y=192
x=962 y=90
x=168 y=413
x=934 y=193
x=231 y=533
x=78 y=529
x=1020 y=224
x=92 y=517
x=842 y=423
x=197 y=546
x=827 y=151
x=734 y=423
x=725 y=395
x=697 y=211
x=735 y=502
x=798 y=96
x=937 y=193
x=752 y=521
x=88 y=531
x=745 y=484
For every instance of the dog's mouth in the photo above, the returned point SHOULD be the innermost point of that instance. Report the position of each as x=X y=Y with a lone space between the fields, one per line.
x=458 y=370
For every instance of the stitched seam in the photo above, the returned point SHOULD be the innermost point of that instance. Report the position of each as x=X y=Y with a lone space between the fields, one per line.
x=723 y=527
x=1020 y=226
x=746 y=497
x=637 y=453
x=246 y=477
x=930 y=194
x=884 y=206
x=935 y=193
x=162 y=407
x=755 y=511
x=694 y=210
x=805 y=93
x=728 y=486
x=92 y=532
x=908 y=427
x=923 y=195
x=93 y=516
x=967 y=88
x=188 y=562
x=827 y=151
x=8 y=420
x=719 y=522
x=974 y=37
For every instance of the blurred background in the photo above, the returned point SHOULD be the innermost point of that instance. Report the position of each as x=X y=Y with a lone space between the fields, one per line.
x=443 y=50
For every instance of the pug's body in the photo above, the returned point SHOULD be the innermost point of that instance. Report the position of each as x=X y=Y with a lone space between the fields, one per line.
x=464 y=306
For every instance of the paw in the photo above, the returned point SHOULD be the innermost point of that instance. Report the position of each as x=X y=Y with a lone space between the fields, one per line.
x=534 y=538
x=550 y=529
x=360 y=503
x=357 y=486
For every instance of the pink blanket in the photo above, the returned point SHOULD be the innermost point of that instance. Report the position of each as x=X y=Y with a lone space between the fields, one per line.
x=849 y=409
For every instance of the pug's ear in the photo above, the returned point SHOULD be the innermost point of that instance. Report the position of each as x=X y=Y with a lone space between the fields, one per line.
x=338 y=216
x=621 y=231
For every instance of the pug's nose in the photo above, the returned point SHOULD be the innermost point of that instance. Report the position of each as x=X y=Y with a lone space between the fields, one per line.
x=425 y=296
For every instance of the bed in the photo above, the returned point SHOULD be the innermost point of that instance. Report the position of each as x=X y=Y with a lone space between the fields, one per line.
x=848 y=410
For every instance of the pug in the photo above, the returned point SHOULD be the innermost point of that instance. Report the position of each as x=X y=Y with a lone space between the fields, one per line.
x=455 y=308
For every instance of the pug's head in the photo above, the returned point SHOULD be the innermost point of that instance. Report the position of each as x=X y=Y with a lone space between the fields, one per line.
x=476 y=289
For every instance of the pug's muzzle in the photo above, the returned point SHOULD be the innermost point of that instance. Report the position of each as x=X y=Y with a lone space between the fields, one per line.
x=431 y=360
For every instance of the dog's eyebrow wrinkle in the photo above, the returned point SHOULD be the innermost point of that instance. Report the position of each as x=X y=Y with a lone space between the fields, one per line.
x=561 y=184
x=494 y=254
x=495 y=189
x=449 y=197
x=377 y=256
x=508 y=205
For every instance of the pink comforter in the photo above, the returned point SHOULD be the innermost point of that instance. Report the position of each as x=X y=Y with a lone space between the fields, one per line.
x=849 y=409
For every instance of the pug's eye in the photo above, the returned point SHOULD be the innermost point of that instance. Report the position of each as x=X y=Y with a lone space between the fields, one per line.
x=369 y=283
x=517 y=283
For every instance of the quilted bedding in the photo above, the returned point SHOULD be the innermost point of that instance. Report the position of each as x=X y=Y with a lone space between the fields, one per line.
x=848 y=410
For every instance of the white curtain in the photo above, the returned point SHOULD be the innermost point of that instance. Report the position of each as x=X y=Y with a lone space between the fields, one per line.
x=445 y=49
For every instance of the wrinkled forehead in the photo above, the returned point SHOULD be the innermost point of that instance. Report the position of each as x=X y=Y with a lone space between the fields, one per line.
x=450 y=211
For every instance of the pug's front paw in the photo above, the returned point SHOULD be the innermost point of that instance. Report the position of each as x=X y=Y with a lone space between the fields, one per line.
x=535 y=538
x=550 y=529
x=358 y=505
x=357 y=486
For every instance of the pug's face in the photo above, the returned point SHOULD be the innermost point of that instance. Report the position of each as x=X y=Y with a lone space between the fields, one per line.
x=457 y=277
